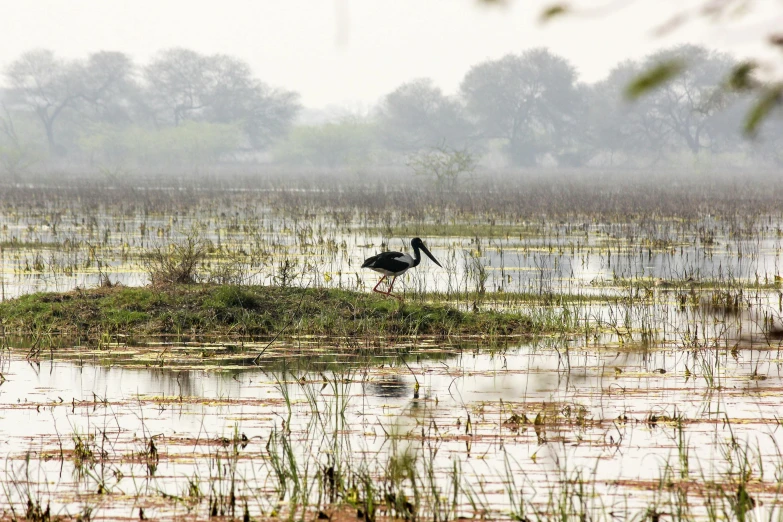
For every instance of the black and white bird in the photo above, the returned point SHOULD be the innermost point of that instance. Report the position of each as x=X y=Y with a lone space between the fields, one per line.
x=393 y=264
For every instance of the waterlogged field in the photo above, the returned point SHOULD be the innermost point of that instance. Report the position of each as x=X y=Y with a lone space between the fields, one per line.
x=648 y=386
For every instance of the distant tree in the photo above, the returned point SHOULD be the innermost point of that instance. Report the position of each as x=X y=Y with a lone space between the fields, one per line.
x=185 y=85
x=99 y=88
x=108 y=90
x=619 y=126
x=232 y=94
x=270 y=114
x=225 y=87
x=693 y=111
x=528 y=100
x=761 y=97
x=177 y=80
x=46 y=85
x=725 y=127
x=690 y=104
x=417 y=115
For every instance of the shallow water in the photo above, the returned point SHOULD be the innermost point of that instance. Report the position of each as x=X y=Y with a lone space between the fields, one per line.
x=657 y=388
x=578 y=257
x=595 y=407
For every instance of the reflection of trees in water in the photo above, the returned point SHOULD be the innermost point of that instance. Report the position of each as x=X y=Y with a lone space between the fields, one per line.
x=175 y=382
x=166 y=381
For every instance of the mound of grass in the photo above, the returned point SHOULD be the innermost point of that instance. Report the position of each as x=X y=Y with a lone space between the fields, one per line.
x=245 y=310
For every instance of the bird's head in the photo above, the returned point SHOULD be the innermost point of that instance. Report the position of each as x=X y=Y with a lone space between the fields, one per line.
x=418 y=244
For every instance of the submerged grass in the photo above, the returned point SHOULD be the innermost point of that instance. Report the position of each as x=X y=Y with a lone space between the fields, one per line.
x=246 y=310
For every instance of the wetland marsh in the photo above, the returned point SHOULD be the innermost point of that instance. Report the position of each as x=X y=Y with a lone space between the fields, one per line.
x=595 y=348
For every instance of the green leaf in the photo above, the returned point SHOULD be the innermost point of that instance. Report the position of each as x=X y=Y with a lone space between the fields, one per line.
x=741 y=78
x=654 y=77
x=769 y=99
x=553 y=11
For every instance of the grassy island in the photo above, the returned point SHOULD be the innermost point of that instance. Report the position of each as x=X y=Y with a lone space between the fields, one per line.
x=247 y=311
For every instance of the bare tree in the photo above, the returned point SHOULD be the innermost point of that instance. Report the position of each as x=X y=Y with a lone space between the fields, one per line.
x=99 y=88
x=690 y=102
x=46 y=85
x=177 y=81
x=108 y=87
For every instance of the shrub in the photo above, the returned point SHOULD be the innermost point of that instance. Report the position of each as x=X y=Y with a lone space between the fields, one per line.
x=177 y=263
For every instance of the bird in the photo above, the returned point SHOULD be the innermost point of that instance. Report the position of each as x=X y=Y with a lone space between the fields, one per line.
x=396 y=263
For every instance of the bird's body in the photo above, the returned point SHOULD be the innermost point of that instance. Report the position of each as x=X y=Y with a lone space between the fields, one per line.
x=390 y=263
x=393 y=264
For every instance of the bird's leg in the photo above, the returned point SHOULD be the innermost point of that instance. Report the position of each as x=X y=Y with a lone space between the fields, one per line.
x=376 y=286
x=391 y=287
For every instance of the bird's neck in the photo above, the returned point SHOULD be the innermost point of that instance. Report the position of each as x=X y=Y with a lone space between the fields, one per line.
x=416 y=257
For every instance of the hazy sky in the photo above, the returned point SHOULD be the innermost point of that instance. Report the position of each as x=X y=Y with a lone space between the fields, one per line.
x=355 y=51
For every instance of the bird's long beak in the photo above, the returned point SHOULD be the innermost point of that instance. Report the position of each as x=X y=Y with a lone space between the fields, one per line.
x=429 y=254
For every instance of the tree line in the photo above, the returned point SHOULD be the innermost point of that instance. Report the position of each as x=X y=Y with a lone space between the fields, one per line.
x=524 y=109
x=532 y=109
x=182 y=106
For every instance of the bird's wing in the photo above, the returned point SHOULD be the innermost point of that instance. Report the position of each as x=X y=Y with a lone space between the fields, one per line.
x=386 y=259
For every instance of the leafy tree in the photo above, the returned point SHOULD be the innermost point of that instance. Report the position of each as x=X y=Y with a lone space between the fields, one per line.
x=417 y=115
x=527 y=100
x=741 y=77
x=78 y=98
x=572 y=143
x=768 y=145
x=270 y=115
x=185 y=85
x=620 y=127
